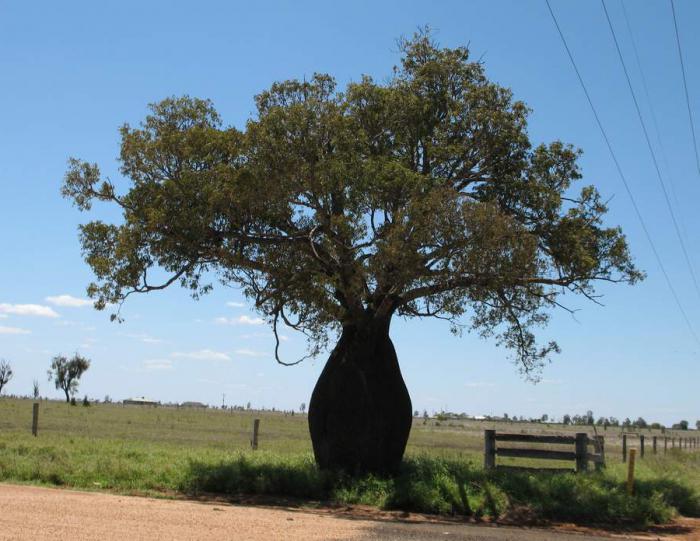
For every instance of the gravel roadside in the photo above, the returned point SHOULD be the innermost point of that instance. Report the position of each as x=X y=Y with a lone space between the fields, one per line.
x=37 y=513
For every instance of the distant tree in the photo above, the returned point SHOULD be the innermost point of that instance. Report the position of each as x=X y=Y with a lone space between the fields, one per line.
x=589 y=418
x=5 y=373
x=544 y=418
x=35 y=389
x=697 y=425
x=683 y=425
x=335 y=210
x=247 y=406
x=302 y=407
x=614 y=421
x=627 y=422
x=66 y=373
x=655 y=426
x=640 y=423
x=107 y=399
x=602 y=421
x=72 y=401
x=566 y=419
x=86 y=402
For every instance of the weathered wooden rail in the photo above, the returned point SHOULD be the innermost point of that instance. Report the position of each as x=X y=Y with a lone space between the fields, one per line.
x=579 y=454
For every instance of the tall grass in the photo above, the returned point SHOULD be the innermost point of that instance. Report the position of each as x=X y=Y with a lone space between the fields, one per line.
x=453 y=487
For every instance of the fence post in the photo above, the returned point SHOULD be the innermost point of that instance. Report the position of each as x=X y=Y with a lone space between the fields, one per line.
x=653 y=444
x=256 y=428
x=641 y=446
x=624 y=448
x=630 y=473
x=489 y=449
x=35 y=419
x=581 y=451
x=600 y=464
x=665 y=444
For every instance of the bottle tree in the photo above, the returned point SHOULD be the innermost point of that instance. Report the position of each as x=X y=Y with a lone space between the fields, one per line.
x=336 y=211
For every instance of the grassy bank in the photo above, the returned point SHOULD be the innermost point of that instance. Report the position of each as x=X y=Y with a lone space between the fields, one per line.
x=190 y=451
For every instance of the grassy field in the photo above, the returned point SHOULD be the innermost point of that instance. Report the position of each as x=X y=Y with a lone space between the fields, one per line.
x=169 y=450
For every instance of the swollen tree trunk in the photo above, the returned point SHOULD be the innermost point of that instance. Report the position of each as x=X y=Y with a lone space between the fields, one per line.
x=67 y=395
x=360 y=411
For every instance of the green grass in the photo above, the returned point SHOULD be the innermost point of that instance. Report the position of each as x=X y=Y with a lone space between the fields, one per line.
x=168 y=450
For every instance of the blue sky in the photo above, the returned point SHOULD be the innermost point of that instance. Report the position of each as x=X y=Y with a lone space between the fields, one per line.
x=71 y=73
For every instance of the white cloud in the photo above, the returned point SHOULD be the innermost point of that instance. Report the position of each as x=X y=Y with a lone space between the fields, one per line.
x=267 y=335
x=152 y=365
x=27 y=310
x=202 y=355
x=240 y=320
x=250 y=353
x=479 y=384
x=12 y=330
x=71 y=323
x=68 y=301
x=233 y=304
x=145 y=338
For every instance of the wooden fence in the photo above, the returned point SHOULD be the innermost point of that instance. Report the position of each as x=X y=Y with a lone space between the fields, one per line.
x=579 y=454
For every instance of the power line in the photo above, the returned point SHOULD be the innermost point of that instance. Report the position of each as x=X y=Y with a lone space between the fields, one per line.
x=685 y=87
x=655 y=122
x=651 y=151
x=623 y=178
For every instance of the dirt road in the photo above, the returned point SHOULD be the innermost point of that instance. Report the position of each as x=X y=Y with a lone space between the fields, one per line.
x=43 y=513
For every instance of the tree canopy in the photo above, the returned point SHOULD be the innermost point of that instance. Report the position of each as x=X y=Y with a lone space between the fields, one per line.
x=420 y=196
x=5 y=373
x=66 y=373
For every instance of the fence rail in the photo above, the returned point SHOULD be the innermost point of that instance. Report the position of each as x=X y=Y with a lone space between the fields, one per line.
x=580 y=453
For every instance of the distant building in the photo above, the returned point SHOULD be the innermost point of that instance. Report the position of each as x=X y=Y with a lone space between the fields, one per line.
x=193 y=405
x=140 y=401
